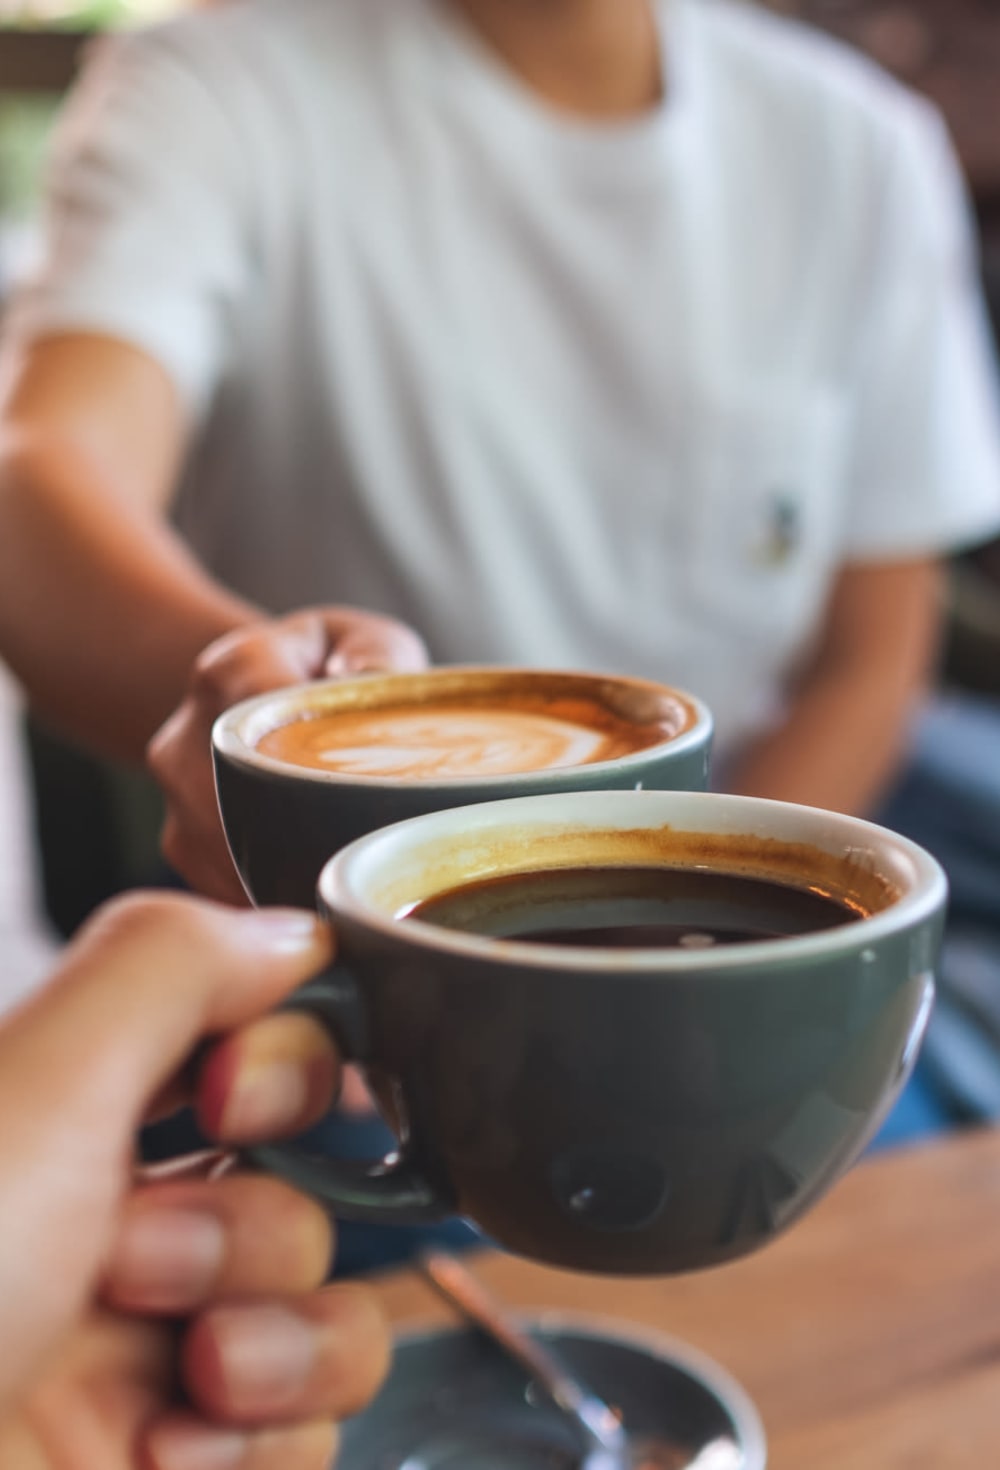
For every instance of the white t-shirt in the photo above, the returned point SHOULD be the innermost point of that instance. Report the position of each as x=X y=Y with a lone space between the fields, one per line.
x=27 y=945
x=618 y=396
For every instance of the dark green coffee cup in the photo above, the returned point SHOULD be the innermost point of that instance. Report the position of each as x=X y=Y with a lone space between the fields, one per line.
x=621 y=1111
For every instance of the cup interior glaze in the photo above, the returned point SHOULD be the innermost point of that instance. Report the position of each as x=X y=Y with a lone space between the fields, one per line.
x=283 y=820
x=640 y=1111
x=874 y=870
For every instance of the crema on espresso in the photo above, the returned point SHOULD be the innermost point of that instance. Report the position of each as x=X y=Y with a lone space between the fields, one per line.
x=462 y=738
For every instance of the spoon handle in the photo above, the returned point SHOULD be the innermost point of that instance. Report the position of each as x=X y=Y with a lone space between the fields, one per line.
x=605 y=1434
x=465 y=1291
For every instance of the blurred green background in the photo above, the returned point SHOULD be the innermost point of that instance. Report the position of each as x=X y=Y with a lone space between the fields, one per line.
x=26 y=117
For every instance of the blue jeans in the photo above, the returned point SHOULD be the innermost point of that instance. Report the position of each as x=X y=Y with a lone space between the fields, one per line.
x=948 y=800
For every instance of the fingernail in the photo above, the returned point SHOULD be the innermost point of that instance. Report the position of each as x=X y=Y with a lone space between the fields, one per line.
x=266 y=1356
x=355 y=663
x=285 y=931
x=191 y=1447
x=167 y=1259
x=265 y=1097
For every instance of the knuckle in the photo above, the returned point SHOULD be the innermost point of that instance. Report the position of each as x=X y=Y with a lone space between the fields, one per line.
x=366 y=1351
x=161 y=761
x=325 y=1447
x=147 y=918
x=307 y=1232
x=246 y=662
x=410 y=650
x=162 y=749
x=174 y=843
x=212 y=671
x=312 y=1446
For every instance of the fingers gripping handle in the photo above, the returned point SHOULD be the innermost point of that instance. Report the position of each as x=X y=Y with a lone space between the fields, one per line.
x=391 y=1190
x=334 y=998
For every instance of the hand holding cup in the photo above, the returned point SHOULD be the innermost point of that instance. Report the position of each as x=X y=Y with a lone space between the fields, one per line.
x=327 y=642
x=167 y=1320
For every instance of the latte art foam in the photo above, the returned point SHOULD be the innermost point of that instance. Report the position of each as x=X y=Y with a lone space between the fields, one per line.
x=441 y=742
x=487 y=744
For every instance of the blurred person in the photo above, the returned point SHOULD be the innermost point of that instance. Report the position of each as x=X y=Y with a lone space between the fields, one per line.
x=628 y=334
x=175 y=1323
x=594 y=332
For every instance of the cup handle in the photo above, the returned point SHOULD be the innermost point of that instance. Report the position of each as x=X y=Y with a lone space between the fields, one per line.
x=393 y=1190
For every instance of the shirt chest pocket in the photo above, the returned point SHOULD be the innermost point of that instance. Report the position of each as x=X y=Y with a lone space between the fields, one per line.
x=766 y=474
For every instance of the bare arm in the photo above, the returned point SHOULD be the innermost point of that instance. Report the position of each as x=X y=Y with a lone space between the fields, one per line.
x=102 y=609
x=847 y=721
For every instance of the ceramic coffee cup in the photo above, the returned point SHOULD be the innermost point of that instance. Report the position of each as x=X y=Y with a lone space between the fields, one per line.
x=387 y=747
x=642 y=1110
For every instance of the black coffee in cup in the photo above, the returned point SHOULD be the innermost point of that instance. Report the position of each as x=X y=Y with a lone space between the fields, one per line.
x=635 y=907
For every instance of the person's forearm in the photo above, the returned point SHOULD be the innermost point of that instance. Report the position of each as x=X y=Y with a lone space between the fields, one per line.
x=838 y=747
x=847 y=723
x=102 y=609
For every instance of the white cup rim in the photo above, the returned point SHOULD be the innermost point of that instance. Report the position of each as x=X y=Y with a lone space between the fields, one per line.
x=236 y=731
x=345 y=881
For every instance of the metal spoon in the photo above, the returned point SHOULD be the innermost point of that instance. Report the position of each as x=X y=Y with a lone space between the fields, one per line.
x=606 y=1445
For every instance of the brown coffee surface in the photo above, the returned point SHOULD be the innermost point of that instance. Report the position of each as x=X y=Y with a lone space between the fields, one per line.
x=460 y=738
x=634 y=907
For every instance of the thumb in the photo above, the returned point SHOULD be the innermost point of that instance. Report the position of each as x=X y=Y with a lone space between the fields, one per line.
x=370 y=643
x=144 y=982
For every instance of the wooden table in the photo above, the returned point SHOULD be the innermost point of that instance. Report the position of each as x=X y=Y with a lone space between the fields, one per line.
x=869 y=1336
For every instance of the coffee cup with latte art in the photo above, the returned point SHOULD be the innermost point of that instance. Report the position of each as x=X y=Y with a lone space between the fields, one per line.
x=303 y=771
